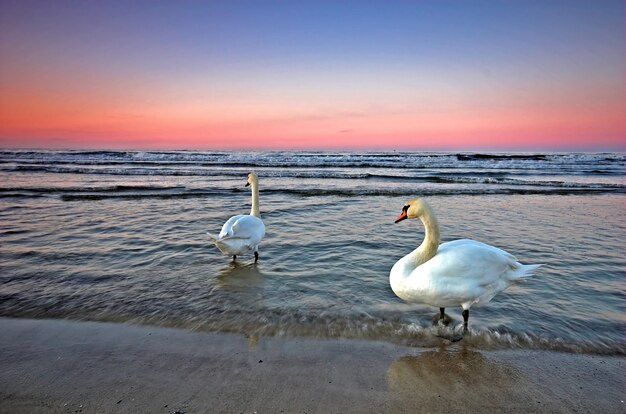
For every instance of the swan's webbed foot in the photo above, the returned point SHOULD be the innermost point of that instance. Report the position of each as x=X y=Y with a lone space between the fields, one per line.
x=442 y=318
x=256 y=257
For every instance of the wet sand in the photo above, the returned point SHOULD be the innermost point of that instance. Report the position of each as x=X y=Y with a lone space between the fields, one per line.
x=88 y=367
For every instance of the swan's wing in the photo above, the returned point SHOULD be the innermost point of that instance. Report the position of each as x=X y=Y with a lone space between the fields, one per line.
x=469 y=261
x=464 y=272
x=227 y=228
x=477 y=245
x=243 y=227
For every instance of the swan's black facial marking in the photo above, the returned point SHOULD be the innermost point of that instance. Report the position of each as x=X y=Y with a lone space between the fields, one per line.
x=403 y=215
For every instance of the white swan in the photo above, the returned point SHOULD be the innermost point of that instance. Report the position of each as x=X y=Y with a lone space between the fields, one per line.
x=457 y=273
x=243 y=233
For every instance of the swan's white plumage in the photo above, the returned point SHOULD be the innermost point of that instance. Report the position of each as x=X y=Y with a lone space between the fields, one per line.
x=457 y=273
x=462 y=272
x=242 y=233
x=239 y=235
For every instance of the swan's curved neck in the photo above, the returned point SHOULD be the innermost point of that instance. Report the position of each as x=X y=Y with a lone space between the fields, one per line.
x=254 y=211
x=429 y=246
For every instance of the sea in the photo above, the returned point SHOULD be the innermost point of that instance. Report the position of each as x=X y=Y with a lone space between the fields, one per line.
x=121 y=236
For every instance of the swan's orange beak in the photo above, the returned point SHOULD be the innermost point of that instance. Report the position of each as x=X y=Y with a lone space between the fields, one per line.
x=401 y=217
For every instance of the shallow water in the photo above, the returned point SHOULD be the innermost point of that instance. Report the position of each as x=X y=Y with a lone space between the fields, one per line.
x=121 y=236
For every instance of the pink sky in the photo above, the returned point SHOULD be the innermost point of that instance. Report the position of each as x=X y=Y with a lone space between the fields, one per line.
x=34 y=118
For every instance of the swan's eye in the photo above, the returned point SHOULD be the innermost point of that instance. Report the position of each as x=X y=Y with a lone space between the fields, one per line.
x=405 y=208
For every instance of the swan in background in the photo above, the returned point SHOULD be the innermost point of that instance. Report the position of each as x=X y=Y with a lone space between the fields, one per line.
x=457 y=273
x=243 y=233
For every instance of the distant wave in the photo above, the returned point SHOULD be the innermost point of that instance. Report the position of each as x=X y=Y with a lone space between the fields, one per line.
x=308 y=159
x=343 y=172
x=470 y=157
x=440 y=192
x=305 y=193
x=518 y=182
x=331 y=192
x=335 y=174
x=113 y=188
x=484 y=186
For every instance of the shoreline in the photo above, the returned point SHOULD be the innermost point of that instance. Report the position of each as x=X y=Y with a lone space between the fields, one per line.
x=69 y=366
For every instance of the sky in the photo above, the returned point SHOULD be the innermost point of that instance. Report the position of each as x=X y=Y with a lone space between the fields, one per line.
x=422 y=75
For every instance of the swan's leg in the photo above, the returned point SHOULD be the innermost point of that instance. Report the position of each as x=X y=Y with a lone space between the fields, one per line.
x=234 y=257
x=441 y=317
x=256 y=257
x=465 y=319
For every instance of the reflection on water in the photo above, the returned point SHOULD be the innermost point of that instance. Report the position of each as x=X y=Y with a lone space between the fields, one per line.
x=253 y=341
x=239 y=275
x=437 y=374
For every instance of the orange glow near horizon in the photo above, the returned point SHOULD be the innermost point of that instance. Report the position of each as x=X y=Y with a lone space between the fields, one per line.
x=34 y=121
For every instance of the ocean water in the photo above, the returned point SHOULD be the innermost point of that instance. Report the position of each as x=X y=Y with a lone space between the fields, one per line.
x=121 y=236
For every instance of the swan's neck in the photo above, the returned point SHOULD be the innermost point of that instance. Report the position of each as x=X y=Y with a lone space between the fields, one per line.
x=429 y=246
x=254 y=211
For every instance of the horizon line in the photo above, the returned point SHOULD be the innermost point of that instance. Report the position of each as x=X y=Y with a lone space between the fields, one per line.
x=327 y=149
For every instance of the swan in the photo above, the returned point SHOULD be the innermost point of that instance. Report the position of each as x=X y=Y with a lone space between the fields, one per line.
x=457 y=273
x=243 y=233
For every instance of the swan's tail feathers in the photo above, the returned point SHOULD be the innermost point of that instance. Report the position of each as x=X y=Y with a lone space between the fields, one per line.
x=212 y=237
x=526 y=271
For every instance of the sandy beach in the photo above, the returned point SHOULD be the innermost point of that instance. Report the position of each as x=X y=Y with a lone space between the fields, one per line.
x=88 y=367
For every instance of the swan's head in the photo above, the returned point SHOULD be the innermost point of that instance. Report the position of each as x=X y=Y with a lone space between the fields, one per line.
x=412 y=209
x=252 y=179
